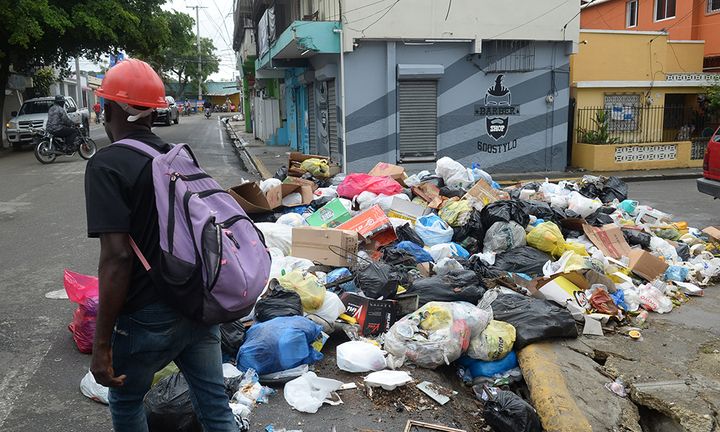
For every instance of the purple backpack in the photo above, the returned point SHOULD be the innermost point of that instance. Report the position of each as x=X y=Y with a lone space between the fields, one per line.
x=214 y=263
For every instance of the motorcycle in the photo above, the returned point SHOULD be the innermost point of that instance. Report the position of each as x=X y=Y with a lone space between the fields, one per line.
x=48 y=147
x=207 y=113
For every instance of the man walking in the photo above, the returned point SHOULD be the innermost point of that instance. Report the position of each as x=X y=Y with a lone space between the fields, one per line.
x=97 y=109
x=138 y=334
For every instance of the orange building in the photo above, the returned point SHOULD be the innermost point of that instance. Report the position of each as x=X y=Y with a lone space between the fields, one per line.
x=681 y=19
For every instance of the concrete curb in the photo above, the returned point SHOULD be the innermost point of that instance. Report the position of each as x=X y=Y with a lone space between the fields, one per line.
x=246 y=158
x=549 y=392
x=630 y=178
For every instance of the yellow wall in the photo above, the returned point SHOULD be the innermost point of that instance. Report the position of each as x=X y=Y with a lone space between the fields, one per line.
x=685 y=57
x=602 y=157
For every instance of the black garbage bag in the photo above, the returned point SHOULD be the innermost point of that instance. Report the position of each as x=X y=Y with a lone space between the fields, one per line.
x=434 y=179
x=471 y=244
x=601 y=217
x=277 y=302
x=683 y=250
x=481 y=268
x=458 y=285
x=524 y=259
x=590 y=190
x=395 y=256
x=318 y=203
x=407 y=233
x=504 y=211
x=264 y=217
x=571 y=214
x=614 y=189
x=507 y=412
x=534 y=319
x=542 y=210
x=472 y=228
x=378 y=280
x=232 y=336
x=168 y=407
x=515 y=193
x=452 y=192
x=282 y=173
x=637 y=238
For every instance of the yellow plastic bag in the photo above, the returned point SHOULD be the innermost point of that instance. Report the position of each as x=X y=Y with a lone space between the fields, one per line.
x=455 y=212
x=318 y=168
x=494 y=343
x=436 y=317
x=312 y=294
x=547 y=238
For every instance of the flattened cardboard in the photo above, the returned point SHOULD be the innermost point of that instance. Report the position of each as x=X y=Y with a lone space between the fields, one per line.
x=430 y=193
x=372 y=224
x=609 y=239
x=301 y=182
x=402 y=209
x=252 y=199
x=330 y=215
x=713 y=233
x=383 y=169
x=373 y=316
x=297 y=158
x=327 y=246
x=564 y=287
x=646 y=265
x=485 y=193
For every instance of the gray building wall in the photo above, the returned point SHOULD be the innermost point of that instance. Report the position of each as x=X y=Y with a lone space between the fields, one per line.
x=534 y=140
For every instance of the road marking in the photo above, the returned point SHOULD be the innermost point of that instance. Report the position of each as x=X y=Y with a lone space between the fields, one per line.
x=220 y=131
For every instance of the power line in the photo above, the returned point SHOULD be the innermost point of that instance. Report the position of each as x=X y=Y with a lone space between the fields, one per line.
x=223 y=19
x=532 y=20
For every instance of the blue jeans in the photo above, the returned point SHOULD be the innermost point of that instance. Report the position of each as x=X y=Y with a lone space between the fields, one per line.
x=145 y=342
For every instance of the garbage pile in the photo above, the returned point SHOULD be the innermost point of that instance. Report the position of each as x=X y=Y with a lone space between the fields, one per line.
x=448 y=268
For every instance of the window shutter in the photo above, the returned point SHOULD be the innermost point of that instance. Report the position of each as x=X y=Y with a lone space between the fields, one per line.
x=418 y=119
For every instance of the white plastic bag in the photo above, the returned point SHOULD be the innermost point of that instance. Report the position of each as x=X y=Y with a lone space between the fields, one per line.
x=454 y=173
x=293 y=199
x=331 y=308
x=268 y=184
x=652 y=299
x=443 y=250
x=664 y=249
x=90 y=388
x=359 y=356
x=277 y=236
x=388 y=379
x=433 y=230
x=446 y=265
x=308 y=392
x=582 y=205
x=632 y=298
x=291 y=219
x=368 y=199
x=327 y=192
x=503 y=236
x=414 y=179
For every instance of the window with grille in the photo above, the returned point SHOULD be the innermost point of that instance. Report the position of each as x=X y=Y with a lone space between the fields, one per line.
x=664 y=9
x=622 y=111
x=632 y=13
x=509 y=55
x=417 y=101
x=713 y=5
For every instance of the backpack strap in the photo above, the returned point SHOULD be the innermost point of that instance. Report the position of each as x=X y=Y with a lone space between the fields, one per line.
x=139 y=254
x=139 y=147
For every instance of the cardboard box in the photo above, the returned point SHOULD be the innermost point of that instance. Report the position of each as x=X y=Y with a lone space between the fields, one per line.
x=252 y=199
x=563 y=288
x=402 y=209
x=383 y=169
x=297 y=158
x=330 y=215
x=646 y=265
x=373 y=316
x=609 y=239
x=305 y=191
x=327 y=246
x=713 y=233
x=485 y=193
x=373 y=225
x=301 y=182
x=430 y=193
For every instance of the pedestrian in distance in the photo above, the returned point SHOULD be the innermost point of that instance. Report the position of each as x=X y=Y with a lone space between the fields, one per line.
x=137 y=332
x=97 y=109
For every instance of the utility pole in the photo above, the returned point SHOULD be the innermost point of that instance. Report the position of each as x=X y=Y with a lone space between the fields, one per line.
x=197 y=22
x=78 y=84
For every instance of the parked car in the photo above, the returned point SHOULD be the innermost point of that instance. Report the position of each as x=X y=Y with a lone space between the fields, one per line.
x=710 y=183
x=168 y=115
x=33 y=114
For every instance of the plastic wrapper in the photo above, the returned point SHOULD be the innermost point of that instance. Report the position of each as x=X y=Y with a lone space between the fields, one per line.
x=534 y=319
x=455 y=212
x=433 y=230
x=407 y=233
x=602 y=302
x=312 y=293
x=504 y=236
x=232 y=336
x=355 y=184
x=507 y=412
x=279 y=344
x=277 y=302
x=378 y=280
x=524 y=259
x=504 y=211
x=459 y=285
x=448 y=250
x=494 y=343
x=454 y=173
x=360 y=356
x=308 y=392
x=436 y=334
x=581 y=205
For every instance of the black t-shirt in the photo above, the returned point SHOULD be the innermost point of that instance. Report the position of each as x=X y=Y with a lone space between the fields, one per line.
x=120 y=198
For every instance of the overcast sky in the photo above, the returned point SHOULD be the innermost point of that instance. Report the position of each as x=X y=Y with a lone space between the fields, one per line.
x=216 y=22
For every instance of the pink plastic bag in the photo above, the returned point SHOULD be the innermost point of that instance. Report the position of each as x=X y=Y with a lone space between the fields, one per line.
x=83 y=290
x=356 y=183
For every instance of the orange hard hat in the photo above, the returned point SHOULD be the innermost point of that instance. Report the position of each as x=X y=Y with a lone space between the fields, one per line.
x=133 y=82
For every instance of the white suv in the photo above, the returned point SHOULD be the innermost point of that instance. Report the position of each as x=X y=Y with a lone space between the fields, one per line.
x=33 y=114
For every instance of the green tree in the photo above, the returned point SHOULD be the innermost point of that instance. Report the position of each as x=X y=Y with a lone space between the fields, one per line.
x=713 y=99
x=42 y=80
x=37 y=33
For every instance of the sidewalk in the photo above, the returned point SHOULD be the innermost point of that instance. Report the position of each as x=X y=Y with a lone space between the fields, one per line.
x=263 y=158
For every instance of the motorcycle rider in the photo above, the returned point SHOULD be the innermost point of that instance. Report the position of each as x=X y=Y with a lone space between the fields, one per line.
x=208 y=108
x=60 y=125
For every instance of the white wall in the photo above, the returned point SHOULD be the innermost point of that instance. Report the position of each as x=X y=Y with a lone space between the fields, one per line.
x=467 y=19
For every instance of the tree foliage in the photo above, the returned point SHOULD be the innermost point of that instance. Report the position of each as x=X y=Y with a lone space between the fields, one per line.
x=713 y=99
x=42 y=80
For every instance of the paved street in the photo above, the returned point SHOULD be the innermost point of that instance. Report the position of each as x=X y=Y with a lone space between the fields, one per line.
x=43 y=222
x=42 y=218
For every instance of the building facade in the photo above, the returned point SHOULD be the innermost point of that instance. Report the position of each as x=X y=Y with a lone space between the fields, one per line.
x=480 y=81
x=681 y=19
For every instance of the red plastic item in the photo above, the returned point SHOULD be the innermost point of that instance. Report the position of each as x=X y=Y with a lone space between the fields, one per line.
x=603 y=303
x=83 y=290
x=133 y=82
x=354 y=184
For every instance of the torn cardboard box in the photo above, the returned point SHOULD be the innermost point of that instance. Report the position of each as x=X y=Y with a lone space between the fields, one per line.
x=252 y=199
x=646 y=265
x=485 y=193
x=609 y=239
x=374 y=316
x=372 y=225
x=713 y=233
x=330 y=215
x=383 y=169
x=402 y=209
x=327 y=246
x=563 y=288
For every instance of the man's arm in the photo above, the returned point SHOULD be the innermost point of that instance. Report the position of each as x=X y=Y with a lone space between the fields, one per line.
x=115 y=268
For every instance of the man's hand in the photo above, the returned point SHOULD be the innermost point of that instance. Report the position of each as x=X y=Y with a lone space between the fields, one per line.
x=102 y=370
